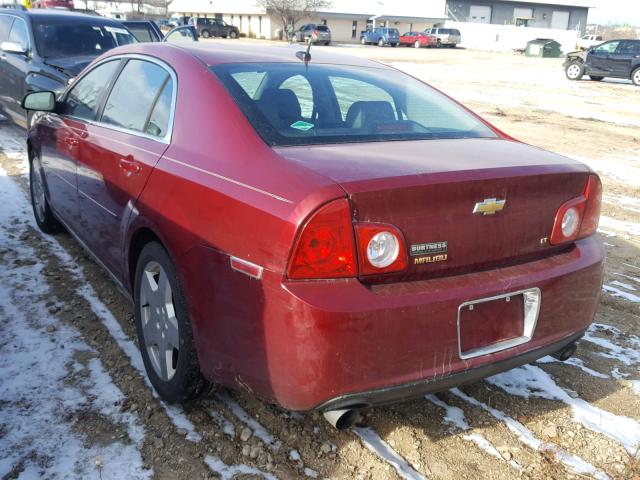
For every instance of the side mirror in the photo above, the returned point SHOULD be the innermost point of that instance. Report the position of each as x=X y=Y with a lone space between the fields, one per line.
x=40 y=101
x=13 y=47
x=184 y=33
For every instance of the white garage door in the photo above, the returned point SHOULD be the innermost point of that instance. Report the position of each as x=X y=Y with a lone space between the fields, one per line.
x=480 y=14
x=522 y=13
x=560 y=20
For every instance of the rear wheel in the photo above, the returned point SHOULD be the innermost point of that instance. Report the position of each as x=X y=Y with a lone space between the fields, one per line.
x=394 y=45
x=205 y=34
x=574 y=71
x=326 y=44
x=381 y=43
x=417 y=44
x=45 y=218
x=233 y=35
x=363 y=41
x=439 y=44
x=635 y=77
x=596 y=79
x=164 y=327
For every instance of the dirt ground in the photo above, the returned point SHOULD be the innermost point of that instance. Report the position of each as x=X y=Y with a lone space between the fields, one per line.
x=548 y=420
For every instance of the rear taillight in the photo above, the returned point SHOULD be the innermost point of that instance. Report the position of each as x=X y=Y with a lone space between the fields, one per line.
x=578 y=218
x=381 y=249
x=326 y=248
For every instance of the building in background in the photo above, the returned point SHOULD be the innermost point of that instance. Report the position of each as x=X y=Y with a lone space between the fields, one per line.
x=345 y=18
x=510 y=24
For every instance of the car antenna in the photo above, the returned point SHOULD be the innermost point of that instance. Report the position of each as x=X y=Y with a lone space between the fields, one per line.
x=305 y=56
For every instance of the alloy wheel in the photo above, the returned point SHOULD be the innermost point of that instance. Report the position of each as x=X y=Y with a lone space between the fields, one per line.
x=636 y=77
x=417 y=44
x=159 y=323
x=573 y=71
x=37 y=190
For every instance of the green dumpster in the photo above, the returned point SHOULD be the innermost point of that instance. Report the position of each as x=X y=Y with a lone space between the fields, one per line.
x=543 y=47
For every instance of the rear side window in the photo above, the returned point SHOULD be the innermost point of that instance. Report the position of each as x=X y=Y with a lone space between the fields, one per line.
x=134 y=95
x=142 y=33
x=5 y=26
x=630 y=48
x=83 y=100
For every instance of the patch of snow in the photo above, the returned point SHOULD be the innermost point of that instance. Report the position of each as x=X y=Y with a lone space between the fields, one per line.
x=530 y=381
x=628 y=356
x=229 y=472
x=242 y=415
x=221 y=420
x=527 y=437
x=379 y=447
x=616 y=292
x=453 y=415
x=483 y=443
x=629 y=277
x=294 y=456
x=40 y=397
x=310 y=472
x=623 y=285
x=576 y=362
x=632 y=266
x=630 y=228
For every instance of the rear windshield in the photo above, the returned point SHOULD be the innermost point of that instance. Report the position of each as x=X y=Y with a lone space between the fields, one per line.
x=393 y=31
x=63 y=38
x=289 y=104
x=322 y=28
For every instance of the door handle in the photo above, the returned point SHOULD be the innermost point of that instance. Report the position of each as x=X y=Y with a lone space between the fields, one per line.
x=130 y=167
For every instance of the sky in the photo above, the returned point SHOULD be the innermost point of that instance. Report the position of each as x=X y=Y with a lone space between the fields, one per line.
x=616 y=11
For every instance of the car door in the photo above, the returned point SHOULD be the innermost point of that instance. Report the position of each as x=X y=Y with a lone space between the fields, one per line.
x=62 y=137
x=599 y=59
x=624 y=56
x=15 y=67
x=123 y=146
x=5 y=27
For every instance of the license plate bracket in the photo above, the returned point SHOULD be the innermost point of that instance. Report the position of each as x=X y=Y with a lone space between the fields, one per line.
x=492 y=324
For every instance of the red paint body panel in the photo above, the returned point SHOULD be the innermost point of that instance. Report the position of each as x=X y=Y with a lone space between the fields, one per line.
x=217 y=190
x=424 y=39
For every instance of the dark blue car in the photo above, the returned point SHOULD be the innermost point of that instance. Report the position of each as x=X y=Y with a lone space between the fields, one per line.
x=382 y=36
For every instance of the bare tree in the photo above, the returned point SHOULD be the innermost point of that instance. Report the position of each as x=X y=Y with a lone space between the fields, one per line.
x=291 y=12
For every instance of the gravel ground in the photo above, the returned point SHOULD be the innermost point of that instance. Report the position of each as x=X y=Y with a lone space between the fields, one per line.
x=96 y=415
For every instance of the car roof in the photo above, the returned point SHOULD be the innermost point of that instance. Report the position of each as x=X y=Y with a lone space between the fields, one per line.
x=52 y=13
x=214 y=54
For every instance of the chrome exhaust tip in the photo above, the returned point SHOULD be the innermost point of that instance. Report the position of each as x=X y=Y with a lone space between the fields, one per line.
x=566 y=353
x=342 y=419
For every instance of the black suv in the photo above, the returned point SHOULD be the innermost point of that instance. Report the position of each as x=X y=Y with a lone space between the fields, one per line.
x=44 y=49
x=616 y=58
x=213 y=27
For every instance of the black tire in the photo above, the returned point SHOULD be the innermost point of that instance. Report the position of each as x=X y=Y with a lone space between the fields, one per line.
x=381 y=42
x=596 y=79
x=635 y=77
x=363 y=41
x=394 y=45
x=416 y=45
x=45 y=219
x=233 y=35
x=326 y=44
x=574 y=71
x=205 y=34
x=187 y=381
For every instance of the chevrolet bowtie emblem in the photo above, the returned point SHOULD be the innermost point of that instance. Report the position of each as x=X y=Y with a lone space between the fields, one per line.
x=489 y=206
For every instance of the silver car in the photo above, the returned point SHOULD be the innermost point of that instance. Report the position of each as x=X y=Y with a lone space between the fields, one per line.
x=447 y=37
x=317 y=34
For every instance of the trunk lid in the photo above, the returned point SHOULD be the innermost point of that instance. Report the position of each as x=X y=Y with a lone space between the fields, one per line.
x=430 y=189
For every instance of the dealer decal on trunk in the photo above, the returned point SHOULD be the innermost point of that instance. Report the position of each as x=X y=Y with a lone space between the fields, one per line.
x=429 y=252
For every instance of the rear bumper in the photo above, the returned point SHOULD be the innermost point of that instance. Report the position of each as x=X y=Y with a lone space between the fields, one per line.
x=407 y=391
x=331 y=342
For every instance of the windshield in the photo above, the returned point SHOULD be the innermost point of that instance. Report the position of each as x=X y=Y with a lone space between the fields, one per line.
x=56 y=39
x=289 y=104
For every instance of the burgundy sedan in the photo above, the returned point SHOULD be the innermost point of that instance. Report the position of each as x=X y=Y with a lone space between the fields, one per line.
x=329 y=235
x=418 y=40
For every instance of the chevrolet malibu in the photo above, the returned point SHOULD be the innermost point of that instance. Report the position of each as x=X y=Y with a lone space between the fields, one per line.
x=330 y=234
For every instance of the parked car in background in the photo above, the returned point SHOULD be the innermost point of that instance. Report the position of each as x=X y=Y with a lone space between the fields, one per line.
x=446 y=37
x=418 y=40
x=42 y=49
x=68 y=4
x=305 y=249
x=588 y=41
x=381 y=36
x=147 y=31
x=317 y=34
x=615 y=58
x=213 y=27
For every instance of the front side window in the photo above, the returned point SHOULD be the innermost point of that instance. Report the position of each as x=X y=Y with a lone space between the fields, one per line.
x=84 y=98
x=5 y=27
x=134 y=94
x=60 y=38
x=19 y=34
x=609 y=47
x=290 y=104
